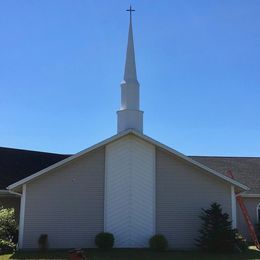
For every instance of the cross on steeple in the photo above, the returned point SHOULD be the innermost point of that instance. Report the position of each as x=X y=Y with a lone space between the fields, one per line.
x=130 y=10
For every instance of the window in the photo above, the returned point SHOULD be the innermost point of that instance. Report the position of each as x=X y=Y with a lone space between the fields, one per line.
x=258 y=213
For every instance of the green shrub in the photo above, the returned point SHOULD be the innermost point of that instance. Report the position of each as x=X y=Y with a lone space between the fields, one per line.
x=216 y=234
x=8 y=230
x=43 y=242
x=104 y=240
x=8 y=225
x=6 y=246
x=158 y=243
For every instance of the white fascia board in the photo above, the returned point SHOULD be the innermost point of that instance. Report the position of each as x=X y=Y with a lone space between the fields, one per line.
x=116 y=137
x=250 y=195
x=67 y=160
x=186 y=158
x=9 y=193
x=4 y=192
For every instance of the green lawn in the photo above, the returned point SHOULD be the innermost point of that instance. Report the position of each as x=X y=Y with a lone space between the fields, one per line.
x=134 y=254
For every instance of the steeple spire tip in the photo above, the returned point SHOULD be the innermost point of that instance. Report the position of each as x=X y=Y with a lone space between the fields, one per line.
x=130 y=10
x=130 y=68
x=130 y=116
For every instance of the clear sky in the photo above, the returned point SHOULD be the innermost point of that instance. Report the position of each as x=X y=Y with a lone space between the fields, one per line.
x=198 y=64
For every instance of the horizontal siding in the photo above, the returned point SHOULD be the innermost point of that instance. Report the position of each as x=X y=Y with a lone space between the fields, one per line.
x=251 y=204
x=181 y=191
x=67 y=204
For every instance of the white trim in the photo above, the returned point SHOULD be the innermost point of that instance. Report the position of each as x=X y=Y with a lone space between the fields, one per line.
x=257 y=215
x=65 y=161
x=154 y=191
x=105 y=193
x=118 y=136
x=4 y=192
x=246 y=195
x=9 y=193
x=233 y=207
x=22 y=214
x=186 y=158
x=15 y=193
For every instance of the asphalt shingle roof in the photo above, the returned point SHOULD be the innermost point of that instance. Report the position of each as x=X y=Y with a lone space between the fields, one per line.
x=246 y=170
x=16 y=164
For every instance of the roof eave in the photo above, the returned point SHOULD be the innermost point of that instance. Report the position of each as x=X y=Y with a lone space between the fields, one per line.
x=67 y=160
x=237 y=184
x=184 y=157
x=250 y=195
x=9 y=193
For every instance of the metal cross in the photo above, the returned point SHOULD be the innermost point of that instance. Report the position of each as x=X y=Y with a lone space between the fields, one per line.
x=130 y=10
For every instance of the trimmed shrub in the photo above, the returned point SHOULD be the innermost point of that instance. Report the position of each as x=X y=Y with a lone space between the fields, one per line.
x=216 y=233
x=43 y=242
x=158 y=243
x=104 y=240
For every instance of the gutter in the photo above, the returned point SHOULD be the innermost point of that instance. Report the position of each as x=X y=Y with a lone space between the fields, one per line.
x=9 y=193
x=250 y=195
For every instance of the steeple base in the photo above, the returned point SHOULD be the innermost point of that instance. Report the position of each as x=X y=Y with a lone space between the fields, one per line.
x=129 y=119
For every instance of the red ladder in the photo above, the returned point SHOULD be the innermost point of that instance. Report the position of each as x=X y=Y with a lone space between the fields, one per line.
x=246 y=215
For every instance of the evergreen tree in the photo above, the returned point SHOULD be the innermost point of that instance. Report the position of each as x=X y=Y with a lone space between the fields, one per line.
x=216 y=234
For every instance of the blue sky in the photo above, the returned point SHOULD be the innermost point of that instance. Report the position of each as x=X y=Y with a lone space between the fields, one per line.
x=198 y=61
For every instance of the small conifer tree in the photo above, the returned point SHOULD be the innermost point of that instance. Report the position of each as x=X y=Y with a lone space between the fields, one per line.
x=216 y=234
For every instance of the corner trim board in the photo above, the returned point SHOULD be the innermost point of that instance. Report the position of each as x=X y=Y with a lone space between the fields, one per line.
x=257 y=213
x=22 y=214
x=233 y=207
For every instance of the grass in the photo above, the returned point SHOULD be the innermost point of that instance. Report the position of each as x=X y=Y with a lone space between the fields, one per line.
x=133 y=254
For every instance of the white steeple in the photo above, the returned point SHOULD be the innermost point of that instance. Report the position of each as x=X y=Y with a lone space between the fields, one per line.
x=129 y=116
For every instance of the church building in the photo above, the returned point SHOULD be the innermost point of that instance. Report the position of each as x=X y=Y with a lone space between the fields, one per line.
x=129 y=184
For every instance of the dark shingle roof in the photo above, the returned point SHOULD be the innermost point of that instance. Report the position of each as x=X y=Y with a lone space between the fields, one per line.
x=245 y=169
x=16 y=164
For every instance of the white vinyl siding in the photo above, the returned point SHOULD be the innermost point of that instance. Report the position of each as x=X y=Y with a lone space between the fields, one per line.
x=67 y=204
x=129 y=195
x=251 y=205
x=181 y=191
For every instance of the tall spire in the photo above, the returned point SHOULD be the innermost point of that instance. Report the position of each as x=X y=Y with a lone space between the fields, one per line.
x=129 y=116
x=130 y=68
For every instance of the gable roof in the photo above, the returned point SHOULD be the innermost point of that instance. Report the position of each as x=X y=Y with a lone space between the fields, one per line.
x=16 y=164
x=245 y=169
x=116 y=137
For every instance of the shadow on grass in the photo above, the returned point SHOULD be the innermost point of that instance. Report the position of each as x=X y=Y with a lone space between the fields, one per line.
x=136 y=254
